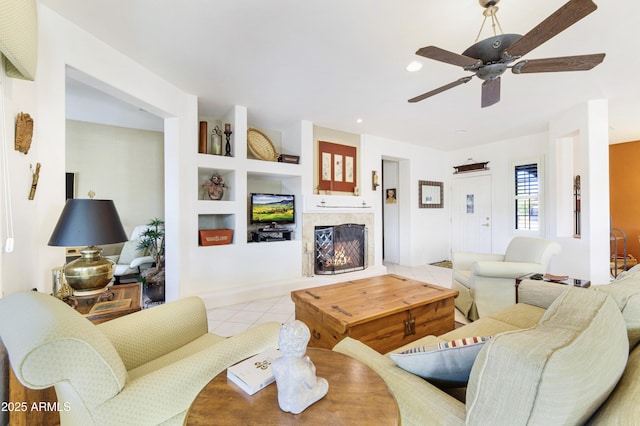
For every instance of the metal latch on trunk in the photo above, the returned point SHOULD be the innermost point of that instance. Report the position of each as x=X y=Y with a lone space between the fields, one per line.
x=409 y=325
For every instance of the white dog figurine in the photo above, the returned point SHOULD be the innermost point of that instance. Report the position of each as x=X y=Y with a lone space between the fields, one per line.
x=295 y=374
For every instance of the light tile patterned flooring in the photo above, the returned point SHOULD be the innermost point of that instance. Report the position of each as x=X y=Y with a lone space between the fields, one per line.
x=229 y=320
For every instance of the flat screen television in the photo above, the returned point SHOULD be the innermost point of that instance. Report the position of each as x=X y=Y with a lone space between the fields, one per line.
x=267 y=209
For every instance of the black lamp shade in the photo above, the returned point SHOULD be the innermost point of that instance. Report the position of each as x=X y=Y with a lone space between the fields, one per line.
x=88 y=222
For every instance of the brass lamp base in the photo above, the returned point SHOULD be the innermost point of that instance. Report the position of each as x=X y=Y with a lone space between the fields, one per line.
x=90 y=274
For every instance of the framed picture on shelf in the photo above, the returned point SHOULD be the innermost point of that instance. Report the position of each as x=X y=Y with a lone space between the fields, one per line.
x=431 y=194
x=337 y=167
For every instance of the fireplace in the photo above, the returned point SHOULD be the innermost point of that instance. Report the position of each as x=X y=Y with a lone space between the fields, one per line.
x=340 y=249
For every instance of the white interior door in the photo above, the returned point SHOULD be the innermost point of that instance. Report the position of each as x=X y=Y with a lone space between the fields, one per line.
x=471 y=214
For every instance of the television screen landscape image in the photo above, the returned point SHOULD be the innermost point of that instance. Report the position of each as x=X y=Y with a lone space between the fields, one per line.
x=272 y=208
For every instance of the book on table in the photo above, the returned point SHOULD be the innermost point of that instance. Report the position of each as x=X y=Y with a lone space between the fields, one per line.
x=254 y=373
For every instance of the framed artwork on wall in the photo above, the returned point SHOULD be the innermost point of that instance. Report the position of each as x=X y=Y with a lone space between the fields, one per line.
x=337 y=167
x=391 y=196
x=431 y=194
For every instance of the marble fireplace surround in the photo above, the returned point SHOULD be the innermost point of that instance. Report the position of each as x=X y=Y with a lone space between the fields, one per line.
x=311 y=220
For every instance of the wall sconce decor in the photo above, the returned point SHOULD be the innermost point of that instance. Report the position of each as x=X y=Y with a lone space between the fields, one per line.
x=374 y=180
x=34 y=180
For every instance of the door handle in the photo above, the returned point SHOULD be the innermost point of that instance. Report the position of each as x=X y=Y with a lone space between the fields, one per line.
x=485 y=224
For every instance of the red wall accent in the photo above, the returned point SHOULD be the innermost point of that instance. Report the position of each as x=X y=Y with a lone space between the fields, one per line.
x=624 y=192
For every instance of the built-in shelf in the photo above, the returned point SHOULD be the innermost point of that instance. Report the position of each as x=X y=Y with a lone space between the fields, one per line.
x=205 y=175
x=217 y=221
x=245 y=174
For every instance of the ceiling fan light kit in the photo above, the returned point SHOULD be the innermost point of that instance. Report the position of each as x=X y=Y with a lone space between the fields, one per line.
x=488 y=59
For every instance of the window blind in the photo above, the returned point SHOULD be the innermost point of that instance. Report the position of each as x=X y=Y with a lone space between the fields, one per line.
x=527 y=191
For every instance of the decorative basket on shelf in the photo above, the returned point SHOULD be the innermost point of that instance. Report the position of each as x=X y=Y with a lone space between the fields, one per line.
x=260 y=146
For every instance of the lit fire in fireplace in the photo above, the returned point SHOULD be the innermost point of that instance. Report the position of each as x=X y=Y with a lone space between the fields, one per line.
x=340 y=257
x=340 y=248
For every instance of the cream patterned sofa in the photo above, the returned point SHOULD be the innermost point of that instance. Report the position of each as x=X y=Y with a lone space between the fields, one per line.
x=559 y=358
x=141 y=369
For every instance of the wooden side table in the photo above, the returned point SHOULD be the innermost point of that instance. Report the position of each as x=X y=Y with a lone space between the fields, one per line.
x=357 y=395
x=117 y=296
x=116 y=301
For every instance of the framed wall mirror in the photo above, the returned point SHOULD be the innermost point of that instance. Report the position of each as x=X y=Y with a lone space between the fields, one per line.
x=431 y=194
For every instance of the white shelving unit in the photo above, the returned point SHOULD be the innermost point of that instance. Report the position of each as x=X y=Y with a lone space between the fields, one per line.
x=244 y=175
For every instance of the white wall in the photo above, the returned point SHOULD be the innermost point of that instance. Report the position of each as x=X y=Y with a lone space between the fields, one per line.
x=120 y=164
x=587 y=126
x=501 y=156
x=62 y=44
x=423 y=233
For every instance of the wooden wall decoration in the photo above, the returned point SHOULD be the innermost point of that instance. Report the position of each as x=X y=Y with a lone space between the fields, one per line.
x=24 y=132
x=336 y=167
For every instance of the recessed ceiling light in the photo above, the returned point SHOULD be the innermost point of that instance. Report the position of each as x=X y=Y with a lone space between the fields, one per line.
x=414 y=66
x=359 y=120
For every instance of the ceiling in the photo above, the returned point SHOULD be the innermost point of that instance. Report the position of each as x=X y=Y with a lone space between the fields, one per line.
x=334 y=61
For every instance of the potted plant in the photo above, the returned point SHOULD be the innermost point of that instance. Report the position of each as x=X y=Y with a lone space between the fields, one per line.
x=152 y=241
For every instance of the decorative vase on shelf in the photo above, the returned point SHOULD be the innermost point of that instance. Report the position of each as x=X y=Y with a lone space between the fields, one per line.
x=216 y=141
x=202 y=143
x=215 y=187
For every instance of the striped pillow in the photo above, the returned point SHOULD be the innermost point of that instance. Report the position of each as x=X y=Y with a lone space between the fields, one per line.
x=463 y=342
x=444 y=363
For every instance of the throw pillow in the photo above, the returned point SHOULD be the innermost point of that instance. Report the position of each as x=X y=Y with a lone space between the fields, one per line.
x=445 y=363
x=626 y=293
x=130 y=251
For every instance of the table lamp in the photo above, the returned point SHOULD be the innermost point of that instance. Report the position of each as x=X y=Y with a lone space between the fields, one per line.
x=88 y=222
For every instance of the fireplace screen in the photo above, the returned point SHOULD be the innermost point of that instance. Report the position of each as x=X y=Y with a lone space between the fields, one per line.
x=340 y=249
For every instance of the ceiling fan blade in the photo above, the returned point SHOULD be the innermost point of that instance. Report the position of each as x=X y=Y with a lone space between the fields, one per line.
x=563 y=63
x=490 y=92
x=441 y=89
x=447 y=57
x=560 y=20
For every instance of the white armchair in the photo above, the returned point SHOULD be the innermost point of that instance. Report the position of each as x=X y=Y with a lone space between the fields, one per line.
x=131 y=260
x=486 y=282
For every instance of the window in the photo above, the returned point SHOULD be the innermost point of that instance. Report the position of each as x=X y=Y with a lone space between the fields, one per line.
x=527 y=197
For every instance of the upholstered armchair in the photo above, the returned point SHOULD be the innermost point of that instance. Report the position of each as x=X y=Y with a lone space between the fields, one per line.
x=486 y=282
x=131 y=260
x=140 y=369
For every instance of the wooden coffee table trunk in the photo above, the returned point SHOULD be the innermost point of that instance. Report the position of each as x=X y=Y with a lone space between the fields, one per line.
x=384 y=312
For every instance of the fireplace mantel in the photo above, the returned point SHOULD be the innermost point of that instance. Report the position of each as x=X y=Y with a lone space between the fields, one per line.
x=336 y=204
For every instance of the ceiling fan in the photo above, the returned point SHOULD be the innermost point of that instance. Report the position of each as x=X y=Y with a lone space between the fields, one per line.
x=490 y=58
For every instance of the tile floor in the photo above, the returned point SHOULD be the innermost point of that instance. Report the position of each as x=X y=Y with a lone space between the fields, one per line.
x=229 y=320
